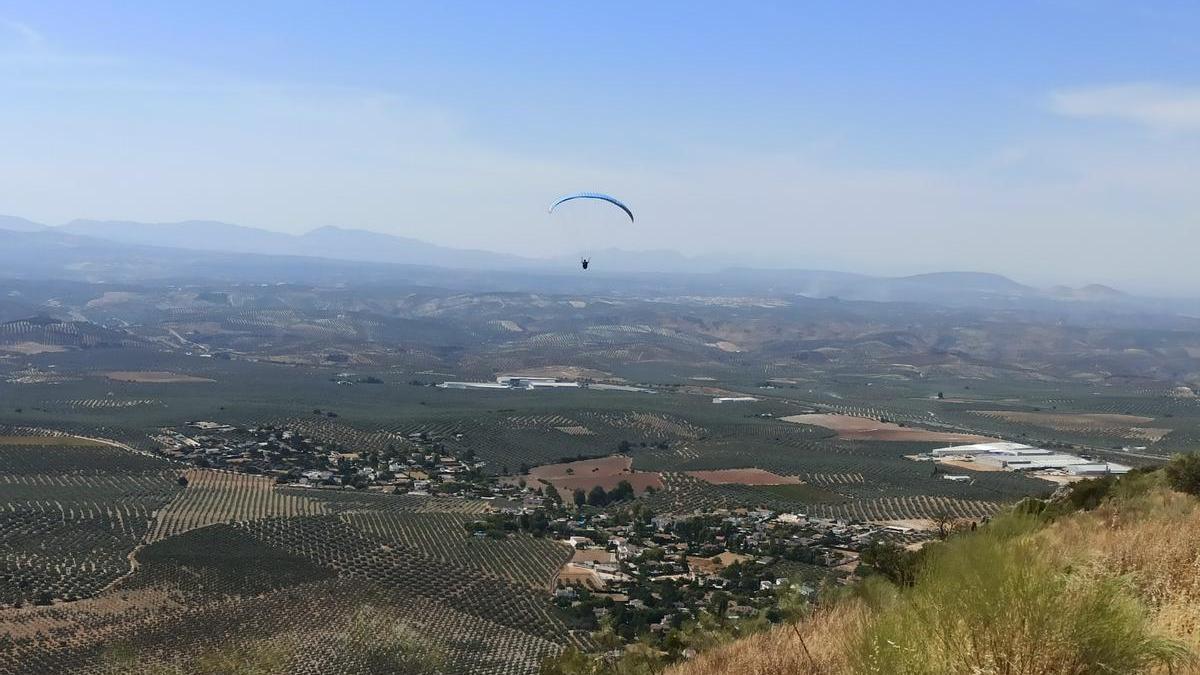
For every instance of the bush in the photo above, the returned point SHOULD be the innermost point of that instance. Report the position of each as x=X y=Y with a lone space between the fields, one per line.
x=1086 y=495
x=997 y=602
x=1183 y=473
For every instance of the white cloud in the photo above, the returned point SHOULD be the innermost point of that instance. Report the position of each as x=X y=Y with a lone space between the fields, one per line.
x=22 y=32
x=1159 y=107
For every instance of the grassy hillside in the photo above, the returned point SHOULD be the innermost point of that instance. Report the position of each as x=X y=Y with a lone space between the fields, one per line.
x=1052 y=587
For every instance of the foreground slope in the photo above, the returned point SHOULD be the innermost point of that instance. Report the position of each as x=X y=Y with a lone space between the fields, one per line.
x=1114 y=589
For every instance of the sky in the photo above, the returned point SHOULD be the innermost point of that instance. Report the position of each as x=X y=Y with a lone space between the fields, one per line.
x=1056 y=142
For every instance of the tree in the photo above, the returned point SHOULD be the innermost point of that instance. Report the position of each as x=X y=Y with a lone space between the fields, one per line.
x=552 y=496
x=945 y=523
x=941 y=395
x=623 y=491
x=597 y=497
x=1183 y=473
x=891 y=560
x=579 y=497
x=182 y=481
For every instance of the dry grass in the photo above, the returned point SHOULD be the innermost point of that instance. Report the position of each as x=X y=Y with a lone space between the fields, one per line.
x=819 y=645
x=1116 y=589
x=1153 y=541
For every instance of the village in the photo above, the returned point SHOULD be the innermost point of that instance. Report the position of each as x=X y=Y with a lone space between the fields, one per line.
x=631 y=571
x=417 y=464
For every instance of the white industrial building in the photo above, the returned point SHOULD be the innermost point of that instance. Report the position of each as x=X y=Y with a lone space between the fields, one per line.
x=522 y=382
x=1021 y=457
x=979 y=448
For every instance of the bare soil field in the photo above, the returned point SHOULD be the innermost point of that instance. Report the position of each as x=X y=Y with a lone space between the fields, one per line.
x=921 y=524
x=606 y=472
x=716 y=563
x=970 y=466
x=564 y=372
x=31 y=348
x=578 y=575
x=852 y=428
x=744 y=477
x=593 y=555
x=1123 y=426
x=153 y=377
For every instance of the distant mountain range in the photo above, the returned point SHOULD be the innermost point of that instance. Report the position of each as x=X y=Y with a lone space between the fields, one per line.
x=125 y=251
x=325 y=242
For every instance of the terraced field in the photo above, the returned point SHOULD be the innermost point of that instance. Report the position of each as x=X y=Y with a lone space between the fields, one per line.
x=520 y=559
x=223 y=497
x=108 y=572
x=71 y=514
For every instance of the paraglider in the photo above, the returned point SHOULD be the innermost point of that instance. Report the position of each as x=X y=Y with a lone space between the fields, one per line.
x=595 y=195
x=584 y=261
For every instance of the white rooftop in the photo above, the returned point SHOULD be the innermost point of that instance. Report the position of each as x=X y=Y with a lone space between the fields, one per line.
x=980 y=448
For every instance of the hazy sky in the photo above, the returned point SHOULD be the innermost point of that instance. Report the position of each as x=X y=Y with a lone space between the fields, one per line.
x=1053 y=141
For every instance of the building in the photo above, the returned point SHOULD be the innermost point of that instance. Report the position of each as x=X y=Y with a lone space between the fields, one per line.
x=981 y=448
x=1097 y=469
x=1021 y=457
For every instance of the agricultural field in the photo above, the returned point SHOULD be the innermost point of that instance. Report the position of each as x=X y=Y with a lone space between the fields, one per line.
x=103 y=547
x=71 y=514
x=589 y=473
x=116 y=555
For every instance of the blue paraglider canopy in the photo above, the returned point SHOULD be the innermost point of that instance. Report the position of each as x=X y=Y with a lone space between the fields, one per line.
x=595 y=195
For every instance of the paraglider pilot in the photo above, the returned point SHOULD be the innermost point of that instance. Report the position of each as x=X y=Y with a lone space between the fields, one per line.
x=584 y=262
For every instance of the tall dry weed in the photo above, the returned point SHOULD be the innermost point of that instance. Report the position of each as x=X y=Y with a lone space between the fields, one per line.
x=820 y=644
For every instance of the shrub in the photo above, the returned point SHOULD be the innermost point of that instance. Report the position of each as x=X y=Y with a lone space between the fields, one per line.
x=1183 y=473
x=996 y=602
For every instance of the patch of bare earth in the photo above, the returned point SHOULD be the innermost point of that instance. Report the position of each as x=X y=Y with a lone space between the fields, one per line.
x=851 y=428
x=153 y=377
x=585 y=474
x=31 y=348
x=744 y=477
x=562 y=372
x=970 y=465
x=577 y=575
x=576 y=431
x=1112 y=424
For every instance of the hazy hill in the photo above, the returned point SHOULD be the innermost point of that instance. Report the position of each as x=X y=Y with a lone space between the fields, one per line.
x=127 y=251
x=324 y=242
x=17 y=224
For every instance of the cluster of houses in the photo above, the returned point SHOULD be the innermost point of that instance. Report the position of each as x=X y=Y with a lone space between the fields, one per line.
x=747 y=555
x=415 y=464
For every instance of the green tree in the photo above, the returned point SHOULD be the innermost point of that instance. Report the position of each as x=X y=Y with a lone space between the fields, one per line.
x=891 y=560
x=1183 y=473
x=597 y=497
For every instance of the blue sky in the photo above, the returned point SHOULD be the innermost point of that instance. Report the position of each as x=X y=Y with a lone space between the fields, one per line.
x=1053 y=141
